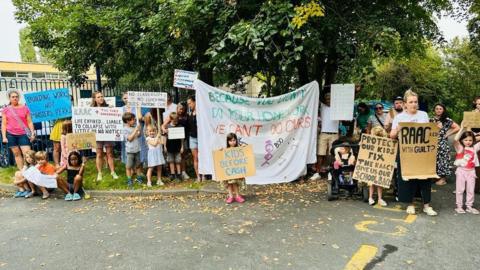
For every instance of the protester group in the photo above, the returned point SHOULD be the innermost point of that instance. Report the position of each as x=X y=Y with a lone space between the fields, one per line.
x=146 y=148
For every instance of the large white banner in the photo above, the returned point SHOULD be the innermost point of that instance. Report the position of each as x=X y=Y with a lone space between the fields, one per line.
x=282 y=130
x=105 y=122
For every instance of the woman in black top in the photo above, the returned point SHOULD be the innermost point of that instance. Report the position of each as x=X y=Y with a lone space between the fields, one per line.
x=192 y=131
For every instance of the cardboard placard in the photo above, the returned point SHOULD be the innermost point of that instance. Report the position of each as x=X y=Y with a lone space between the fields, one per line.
x=418 y=150
x=471 y=119
x=81 y=141
x=49 y=105
x=184 y=79
x=86 y=102
x=342 y=101
x=176 y=133
x=147 y=99
x=105 y=122
x=234 y=162
x=376 y=160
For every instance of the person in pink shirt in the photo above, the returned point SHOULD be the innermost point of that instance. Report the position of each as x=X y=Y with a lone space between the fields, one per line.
x=17 y=127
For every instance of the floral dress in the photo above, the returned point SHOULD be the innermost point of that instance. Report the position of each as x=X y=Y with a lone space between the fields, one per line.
x=443 y=153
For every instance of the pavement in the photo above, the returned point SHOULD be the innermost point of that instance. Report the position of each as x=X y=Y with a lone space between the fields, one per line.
x=289 y=226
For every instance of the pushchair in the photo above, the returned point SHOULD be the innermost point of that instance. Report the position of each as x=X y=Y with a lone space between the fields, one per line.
x=340 y=178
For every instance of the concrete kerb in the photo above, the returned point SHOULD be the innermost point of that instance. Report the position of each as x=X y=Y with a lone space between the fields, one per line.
x=130 y=193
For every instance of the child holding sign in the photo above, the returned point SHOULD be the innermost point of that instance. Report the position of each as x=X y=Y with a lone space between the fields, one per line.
x=155 y=155
x=132 y=147
x=233 y=185
x=466 y=148
x=174 y=149
x=380 y=132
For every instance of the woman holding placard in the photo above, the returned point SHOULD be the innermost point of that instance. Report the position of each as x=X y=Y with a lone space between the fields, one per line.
x=408 y=189
x=17 y=127
x=99 y=101
x=447 y=127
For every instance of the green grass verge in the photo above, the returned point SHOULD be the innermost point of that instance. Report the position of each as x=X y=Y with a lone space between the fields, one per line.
x=108 y=183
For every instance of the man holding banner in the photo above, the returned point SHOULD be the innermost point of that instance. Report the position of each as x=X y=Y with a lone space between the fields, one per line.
x=412 y=141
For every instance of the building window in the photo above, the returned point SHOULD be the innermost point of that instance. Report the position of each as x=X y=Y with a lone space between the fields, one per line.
x=51 y=75
x=38 y=75
x=22 y=75
x=8 y=74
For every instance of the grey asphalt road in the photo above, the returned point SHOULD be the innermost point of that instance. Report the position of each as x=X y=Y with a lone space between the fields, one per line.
x=279 y=227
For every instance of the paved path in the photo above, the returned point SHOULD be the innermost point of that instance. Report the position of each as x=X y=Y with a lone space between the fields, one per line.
x=279 y=227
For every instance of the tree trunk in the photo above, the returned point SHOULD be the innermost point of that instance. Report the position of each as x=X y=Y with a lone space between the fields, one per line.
x=302 y=69
x=332 y=68
x=319 y=68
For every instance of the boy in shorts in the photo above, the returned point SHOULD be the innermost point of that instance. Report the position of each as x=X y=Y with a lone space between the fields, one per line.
x=132 y=133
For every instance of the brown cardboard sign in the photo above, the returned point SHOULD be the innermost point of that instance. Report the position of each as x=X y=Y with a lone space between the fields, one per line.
x=81 y=141
x=471 y=119
x=418 y=150
x=376 y=160
x=234 y=162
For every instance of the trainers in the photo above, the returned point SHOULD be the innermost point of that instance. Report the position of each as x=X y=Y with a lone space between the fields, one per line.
x=29 y=195
x=429 y=211
x=45 y=196
x=411 y=210
x=239 y=199
x=371 y=201
x=185 y=176
x=18 y=194
x=25 y=193
x=149 y=184
x=114 y=175
x=76 y=197
x=472 y=210
x=68 y=197
x=129 y=182
x=229 y=200
x=382 y=202
x=139 y=180
x=459 y=210
x=160 y=183
x=316 y=176
x=99 y=177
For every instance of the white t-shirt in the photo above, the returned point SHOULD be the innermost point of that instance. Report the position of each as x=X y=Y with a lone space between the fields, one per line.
x=170 y=108
x=330 y=126
x=404 y=117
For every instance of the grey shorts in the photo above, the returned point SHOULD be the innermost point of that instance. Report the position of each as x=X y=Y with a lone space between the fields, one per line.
x=133 y=160
x=174 y=157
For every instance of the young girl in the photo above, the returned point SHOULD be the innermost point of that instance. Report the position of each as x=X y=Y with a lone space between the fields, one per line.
x=66 y=128
x=75 y=168
x=344 y=161
x=466 y=148
x=380 y=132
x=233 y=185
x=24 y=188
x=155 y=155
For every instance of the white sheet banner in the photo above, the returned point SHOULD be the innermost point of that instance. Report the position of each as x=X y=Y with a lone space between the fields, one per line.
x=282 y=130
x=105 y=122
x=342 y=101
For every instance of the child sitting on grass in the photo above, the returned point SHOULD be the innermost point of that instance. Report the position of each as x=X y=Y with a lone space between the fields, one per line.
x=48 y=182
x=23 y=188
x=75 y=168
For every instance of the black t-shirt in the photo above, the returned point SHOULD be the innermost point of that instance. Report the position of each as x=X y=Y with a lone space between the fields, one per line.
x=192 y=125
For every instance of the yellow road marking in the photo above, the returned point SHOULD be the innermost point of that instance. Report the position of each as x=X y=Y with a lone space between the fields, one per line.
x=395 y=209
x=362 y=257
x=410 y=219
x=363 y=227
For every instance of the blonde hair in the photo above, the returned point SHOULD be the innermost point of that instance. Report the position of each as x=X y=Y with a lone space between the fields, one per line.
x=173 y=116
x=30 y=154
x=379 y=131
x=409 y=93
x=41 y=155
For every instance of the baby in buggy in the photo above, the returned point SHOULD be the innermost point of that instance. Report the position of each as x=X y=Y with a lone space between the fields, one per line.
x=341 y=172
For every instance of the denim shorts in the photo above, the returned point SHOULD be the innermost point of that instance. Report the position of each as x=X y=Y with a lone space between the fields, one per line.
x=193 y=142
x=17 y=140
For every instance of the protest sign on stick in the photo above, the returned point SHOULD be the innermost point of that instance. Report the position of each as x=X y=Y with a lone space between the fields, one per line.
x=49 y=105
x=105 y=122
x=234 y=162
x=184 y=79
x=418 y=150
x=471 y=119
x=342 y=101
x=147 y=99
x=81 y=141
x=376 y=160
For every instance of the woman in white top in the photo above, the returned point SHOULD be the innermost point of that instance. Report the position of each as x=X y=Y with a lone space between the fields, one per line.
x=408 y=189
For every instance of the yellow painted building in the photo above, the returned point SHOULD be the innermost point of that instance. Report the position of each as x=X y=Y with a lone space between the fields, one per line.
x=36 y=71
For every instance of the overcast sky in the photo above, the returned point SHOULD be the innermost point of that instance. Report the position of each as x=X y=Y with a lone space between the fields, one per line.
x=9 y=31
